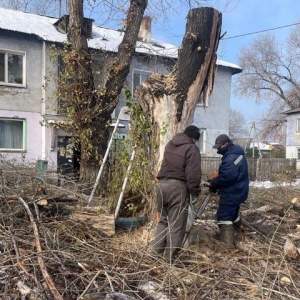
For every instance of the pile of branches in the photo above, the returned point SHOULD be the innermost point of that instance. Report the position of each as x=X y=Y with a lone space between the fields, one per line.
x=47 y=254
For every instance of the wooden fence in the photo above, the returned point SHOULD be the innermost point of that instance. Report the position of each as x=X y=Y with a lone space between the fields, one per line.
x=259 y=169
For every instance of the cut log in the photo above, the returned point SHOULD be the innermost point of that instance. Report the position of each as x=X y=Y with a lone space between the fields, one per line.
x=103 y=222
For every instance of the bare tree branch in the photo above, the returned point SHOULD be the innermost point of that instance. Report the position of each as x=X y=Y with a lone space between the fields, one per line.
x=42 y=265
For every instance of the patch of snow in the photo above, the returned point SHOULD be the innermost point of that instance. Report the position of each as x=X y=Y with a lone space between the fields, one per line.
x=268 y=184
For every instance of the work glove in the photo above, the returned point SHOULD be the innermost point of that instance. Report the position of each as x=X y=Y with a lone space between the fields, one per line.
x=194 y=199
x=211 y=188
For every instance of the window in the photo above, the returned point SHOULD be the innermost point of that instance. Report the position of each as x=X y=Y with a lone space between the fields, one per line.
x=202 y=140
x=12 y=134
x=12 y=68
x=298 y=125
x=99 y=73
x=60 y=69
x=200 y=101
x=138 y=78
x=298 y=153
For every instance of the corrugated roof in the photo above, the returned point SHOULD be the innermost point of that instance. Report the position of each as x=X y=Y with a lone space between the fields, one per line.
x=103 y=38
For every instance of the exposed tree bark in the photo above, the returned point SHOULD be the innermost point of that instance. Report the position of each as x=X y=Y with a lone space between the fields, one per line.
x=94 y=108
x=170 y=100
x=83 y=89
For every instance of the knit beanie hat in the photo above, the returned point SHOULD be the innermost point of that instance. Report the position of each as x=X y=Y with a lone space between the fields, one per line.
x=192 y=131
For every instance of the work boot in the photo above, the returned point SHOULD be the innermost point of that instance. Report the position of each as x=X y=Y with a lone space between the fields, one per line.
x=239 y=228
x=226 y=238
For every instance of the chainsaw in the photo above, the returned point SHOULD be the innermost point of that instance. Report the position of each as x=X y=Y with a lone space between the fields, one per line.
x=193 y=213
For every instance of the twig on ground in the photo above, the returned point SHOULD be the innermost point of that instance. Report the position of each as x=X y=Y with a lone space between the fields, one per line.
x=42 y=265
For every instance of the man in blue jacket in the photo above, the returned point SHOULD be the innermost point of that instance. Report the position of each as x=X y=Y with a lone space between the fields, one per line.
x=233 y=185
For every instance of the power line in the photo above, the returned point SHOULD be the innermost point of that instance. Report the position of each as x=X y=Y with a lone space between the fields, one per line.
x=255 y=32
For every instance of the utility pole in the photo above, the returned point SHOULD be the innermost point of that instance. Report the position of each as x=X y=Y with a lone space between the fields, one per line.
x=253 y=134
x=59 y=9
x=259 y=152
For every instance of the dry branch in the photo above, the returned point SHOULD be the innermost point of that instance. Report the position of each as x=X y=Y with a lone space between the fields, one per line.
x=85 y=264
x=42 y=265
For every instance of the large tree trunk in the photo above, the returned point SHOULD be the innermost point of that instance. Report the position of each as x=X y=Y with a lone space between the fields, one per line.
x=170 y=100
x=93 y=109
x=82 y=84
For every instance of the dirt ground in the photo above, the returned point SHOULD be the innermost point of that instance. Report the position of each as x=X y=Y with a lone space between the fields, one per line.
x=46 y=254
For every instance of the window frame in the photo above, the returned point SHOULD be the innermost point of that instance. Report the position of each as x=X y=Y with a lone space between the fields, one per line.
x=139 y=72
x=200 y=101
x=202 y=141
x=24 y=136
x=6 y=53
x=60 y=67
x=298 y=125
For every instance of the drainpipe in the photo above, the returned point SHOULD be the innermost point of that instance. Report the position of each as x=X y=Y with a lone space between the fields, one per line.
x=43 y=108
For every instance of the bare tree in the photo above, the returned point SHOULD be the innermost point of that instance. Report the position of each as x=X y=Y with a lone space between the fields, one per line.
x=272 y=123
x=161 y=11
x=271 y=73
x=238 y=127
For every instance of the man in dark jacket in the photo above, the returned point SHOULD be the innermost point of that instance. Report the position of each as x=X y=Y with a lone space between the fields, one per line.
x=233 y=185
x=179 y=177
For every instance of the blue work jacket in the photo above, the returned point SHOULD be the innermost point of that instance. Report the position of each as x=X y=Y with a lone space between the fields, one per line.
x=233 y=178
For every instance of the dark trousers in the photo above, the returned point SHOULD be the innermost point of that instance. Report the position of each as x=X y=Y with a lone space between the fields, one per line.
x=227 y=214
x=172 y=202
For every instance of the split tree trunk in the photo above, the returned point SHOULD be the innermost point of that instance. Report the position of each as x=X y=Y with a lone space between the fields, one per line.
x=170 y=100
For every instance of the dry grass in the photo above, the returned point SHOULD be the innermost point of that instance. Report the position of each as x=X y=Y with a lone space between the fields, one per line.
x=82 y=263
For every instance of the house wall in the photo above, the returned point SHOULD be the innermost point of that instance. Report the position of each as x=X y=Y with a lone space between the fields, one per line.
x=33 y=138
x=25 y=102
x=215 y=117
x=50 y=76
x=292 y=137
x=18 y=98
x=147 y=64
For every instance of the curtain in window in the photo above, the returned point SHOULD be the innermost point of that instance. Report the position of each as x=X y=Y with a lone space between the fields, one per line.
x=2 y=69
x=15 y=68
x=11 y=134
